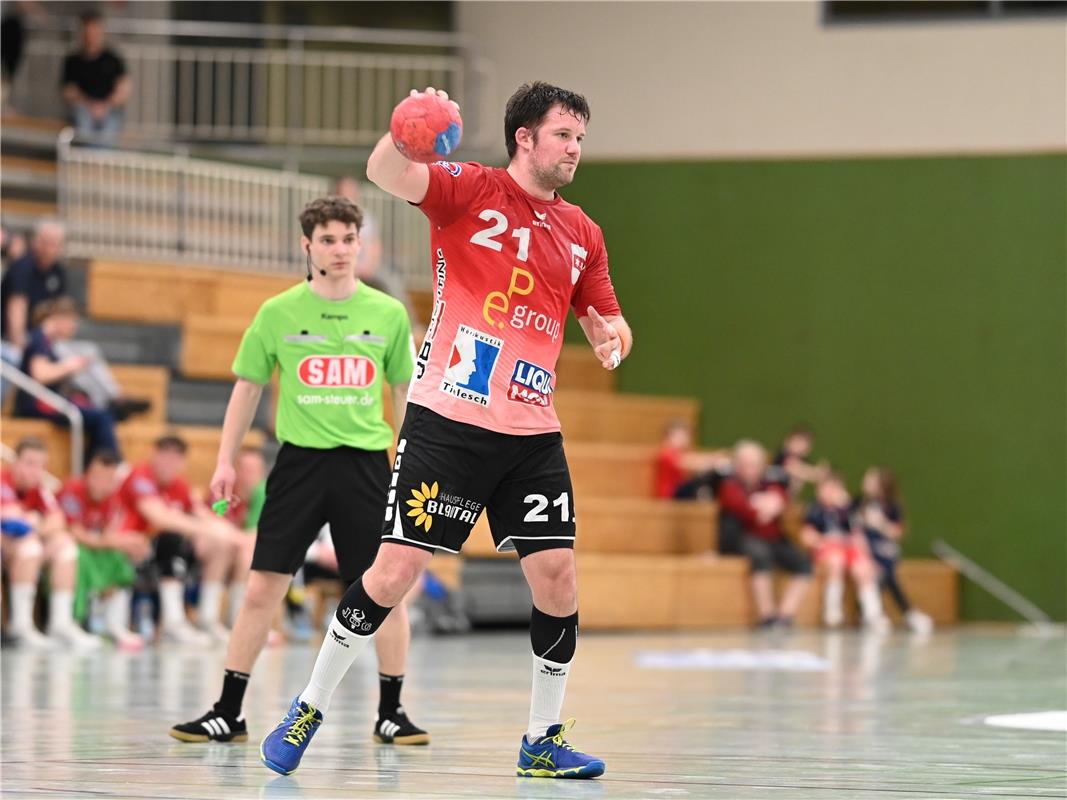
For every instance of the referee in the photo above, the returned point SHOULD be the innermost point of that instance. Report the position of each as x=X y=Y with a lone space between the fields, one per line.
x=336 y=342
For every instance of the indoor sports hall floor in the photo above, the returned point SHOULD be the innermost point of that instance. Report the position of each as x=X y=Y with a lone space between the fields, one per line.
x=730 y=715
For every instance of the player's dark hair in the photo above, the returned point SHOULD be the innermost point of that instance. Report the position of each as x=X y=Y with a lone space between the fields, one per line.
x=801 y=429
x=172 y=442
x=248 y=450
x=528 y=106
x=30 y=443
x=89 y=17
x=106 y=457
x=327 y=209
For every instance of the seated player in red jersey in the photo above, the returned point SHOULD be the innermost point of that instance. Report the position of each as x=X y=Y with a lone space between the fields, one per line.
x=840 y=546
x=35 y=534
x=750 y=524
x=156 y=501
x=106 y=558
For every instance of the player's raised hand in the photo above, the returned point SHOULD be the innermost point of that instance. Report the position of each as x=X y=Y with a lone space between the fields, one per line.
x=607 y=343
x=222 y=482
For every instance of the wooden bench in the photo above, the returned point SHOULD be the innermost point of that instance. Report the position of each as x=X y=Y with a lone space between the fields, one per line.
x=145 y=382
x=147 y=292
x=597 y=417
x=671 y=591
x=635 y=526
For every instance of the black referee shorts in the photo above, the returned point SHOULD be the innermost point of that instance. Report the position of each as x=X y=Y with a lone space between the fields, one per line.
x=306 y=489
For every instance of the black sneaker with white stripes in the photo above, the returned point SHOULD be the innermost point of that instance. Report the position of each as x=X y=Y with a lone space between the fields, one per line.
x=396 y=728
x=214 y=726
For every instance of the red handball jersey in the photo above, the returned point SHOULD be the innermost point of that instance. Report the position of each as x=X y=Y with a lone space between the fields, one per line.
x=142 y=483
x=81 y=509
x=507 y=267
x=39 y=499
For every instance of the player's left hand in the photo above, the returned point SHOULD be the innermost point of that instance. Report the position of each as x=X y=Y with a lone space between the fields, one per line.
x=607 y=342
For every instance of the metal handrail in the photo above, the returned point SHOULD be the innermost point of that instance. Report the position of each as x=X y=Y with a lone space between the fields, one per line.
x=297 y=88
x=60 y=404
x=253 y=30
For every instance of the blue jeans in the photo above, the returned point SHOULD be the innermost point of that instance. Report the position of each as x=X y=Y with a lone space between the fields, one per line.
x=97 y=132
x=98 y=424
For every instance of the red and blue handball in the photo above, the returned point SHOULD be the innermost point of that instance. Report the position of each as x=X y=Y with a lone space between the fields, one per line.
x=426 y=127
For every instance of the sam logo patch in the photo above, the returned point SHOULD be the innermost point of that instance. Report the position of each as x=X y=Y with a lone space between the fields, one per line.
x=351 y=372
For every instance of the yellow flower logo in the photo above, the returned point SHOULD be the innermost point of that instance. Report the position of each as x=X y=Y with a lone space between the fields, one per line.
x=418 y=505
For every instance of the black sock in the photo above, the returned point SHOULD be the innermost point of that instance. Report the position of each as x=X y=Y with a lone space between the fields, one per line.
x=389 y=700
x=234 y=684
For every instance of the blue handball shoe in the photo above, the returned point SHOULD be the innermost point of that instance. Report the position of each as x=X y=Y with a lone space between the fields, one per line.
x=551 y=757
x=284 y=746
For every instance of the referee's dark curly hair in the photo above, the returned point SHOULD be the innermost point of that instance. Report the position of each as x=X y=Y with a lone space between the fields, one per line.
x=328 y=209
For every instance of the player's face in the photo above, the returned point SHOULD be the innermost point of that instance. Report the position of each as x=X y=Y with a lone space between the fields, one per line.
x=557 y=148
x=334 y=248
x=168 y=465
x=29 y=468
x=100 y=478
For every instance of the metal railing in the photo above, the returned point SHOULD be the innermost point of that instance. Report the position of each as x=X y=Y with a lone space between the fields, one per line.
x=60 y=404
x=174 y=208
x=261 y=84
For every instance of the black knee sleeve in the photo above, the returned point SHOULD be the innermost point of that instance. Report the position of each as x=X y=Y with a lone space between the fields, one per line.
x=172 y=555
x=358 y=612
x=553 y=638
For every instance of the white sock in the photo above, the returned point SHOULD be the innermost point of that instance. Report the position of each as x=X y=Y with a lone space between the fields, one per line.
x=833 y=598
x=61 y=609
x=172 y=603
x=546 y=699
x=210 y=603
x=237 y=596
x=339 y=649
x=870 y=602
x=22 y=597
x=117 y=613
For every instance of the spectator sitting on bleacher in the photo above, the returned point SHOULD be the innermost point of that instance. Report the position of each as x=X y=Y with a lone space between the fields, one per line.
x=828 y=532
x=750 y=515
x=156 y=501
x=57 y=321
x=106 y=558
x=880 y=516
x=38 y=536
x=794 y=457
x=95 y=85
x=682 y=472
x=250 y=485
x=34 y=278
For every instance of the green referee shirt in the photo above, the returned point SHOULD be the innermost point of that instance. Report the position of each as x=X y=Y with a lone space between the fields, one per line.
x=333 y=356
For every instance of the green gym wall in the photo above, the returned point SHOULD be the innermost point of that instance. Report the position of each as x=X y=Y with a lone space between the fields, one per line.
x=911 y=310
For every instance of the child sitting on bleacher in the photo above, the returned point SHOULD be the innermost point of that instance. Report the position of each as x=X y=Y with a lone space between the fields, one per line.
x=879 y=514
x=828 y=531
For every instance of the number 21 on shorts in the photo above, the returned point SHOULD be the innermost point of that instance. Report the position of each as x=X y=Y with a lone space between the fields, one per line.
x=540 y=503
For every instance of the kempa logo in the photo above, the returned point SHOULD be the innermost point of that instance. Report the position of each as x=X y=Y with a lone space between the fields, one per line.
x=339 y=639
x=356 y=619
x=551 y=670
x=426 y=503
